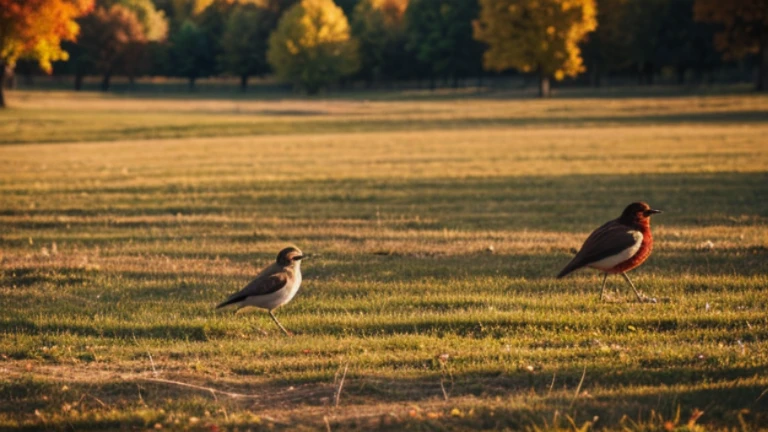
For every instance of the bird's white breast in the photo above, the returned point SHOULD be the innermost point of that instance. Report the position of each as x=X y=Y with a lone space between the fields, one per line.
x=613 y=260
x=278 y=298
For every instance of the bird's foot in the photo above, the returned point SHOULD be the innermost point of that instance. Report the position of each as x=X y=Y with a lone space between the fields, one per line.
x=645 y=299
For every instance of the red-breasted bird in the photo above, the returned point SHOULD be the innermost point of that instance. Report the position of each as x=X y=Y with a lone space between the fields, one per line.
x=618 y=246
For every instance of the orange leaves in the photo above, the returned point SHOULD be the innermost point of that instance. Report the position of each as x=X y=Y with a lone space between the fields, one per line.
x=36 y=28
x=743 y=21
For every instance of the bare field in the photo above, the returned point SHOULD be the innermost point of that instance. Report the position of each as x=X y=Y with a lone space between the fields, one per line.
x=437 y=225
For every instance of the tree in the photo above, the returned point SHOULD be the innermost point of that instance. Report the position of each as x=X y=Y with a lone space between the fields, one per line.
x=440 y=35
x=642 y=25
x=244 y=43
x=108 y=35
x=605 y=49
x=379 y=27
x=535 y=36
x=35 y=29
x=311 y=46
x=744 y=30
x=137 y=57
x=685 y=44
x=190 y=53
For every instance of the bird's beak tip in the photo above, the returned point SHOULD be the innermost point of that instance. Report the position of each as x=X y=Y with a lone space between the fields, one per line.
x=654 y=211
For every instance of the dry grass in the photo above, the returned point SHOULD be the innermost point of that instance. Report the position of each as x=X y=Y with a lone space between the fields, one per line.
x=114 y=250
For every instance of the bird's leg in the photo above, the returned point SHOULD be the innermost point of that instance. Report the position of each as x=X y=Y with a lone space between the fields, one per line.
x=287 y=333
x=639 y=298
x=602 y=289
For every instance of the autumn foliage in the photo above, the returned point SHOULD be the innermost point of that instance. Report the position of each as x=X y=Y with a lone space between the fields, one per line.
x=744 y=30
x=535 y=36
x=35 y=29
x=312 y=45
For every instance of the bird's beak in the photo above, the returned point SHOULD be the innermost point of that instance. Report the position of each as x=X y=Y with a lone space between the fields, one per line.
x=300 y=257
x=652 y=212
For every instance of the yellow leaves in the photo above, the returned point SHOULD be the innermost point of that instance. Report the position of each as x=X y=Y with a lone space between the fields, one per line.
x=291 y=47
x=312 y=44
x=533 y=35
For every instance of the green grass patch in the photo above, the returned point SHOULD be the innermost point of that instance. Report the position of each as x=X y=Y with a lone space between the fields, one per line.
x=437 y=226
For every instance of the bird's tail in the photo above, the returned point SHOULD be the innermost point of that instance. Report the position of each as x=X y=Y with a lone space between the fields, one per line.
x=571 y=267
x=225 y=303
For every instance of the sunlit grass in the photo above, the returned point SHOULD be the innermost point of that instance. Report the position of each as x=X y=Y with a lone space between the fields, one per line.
x=437 y=227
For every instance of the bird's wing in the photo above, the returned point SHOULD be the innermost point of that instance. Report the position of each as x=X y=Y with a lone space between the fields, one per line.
x=608 y=240
x=269 y=281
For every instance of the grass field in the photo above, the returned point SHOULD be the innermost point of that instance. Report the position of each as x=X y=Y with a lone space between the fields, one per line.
x=124 y=221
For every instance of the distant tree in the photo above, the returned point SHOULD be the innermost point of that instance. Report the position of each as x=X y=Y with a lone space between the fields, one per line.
x=348 y=6
x=535 y=36
x=35 y=29
x=685 y=44
x=190 y=54
x=379 y=27
x=642 y=24
x=605 y=49
x=311 y=46
x=744 y=30
x=107 y=35
x=440 y=35
x=138 y=56
x=212 y=21
x=153 y=20
x=244 y=42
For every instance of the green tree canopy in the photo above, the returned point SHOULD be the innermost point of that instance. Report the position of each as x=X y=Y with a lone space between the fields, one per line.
x=244 y=42
x=379 y=27
x=535 y=36
x=190 y=53
x=311 y=46
x=440 y=35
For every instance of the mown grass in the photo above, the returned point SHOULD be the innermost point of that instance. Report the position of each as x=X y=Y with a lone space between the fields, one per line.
x=437 y=227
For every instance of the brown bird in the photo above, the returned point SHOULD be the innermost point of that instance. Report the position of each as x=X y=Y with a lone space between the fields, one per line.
x=273 y=287
x=618 y=246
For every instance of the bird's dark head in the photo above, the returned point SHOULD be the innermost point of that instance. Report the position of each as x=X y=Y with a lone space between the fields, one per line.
x=289 y=255
x=637 y=212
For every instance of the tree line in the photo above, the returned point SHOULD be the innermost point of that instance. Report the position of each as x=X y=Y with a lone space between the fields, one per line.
x=316 y=43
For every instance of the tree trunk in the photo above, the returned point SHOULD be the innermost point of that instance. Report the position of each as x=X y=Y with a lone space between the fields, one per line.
x=544 y=89
x=2 y=84
x=680 y=74
x=78 y=81
x=243 y=83
x=105 y=81
x=594 y=75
